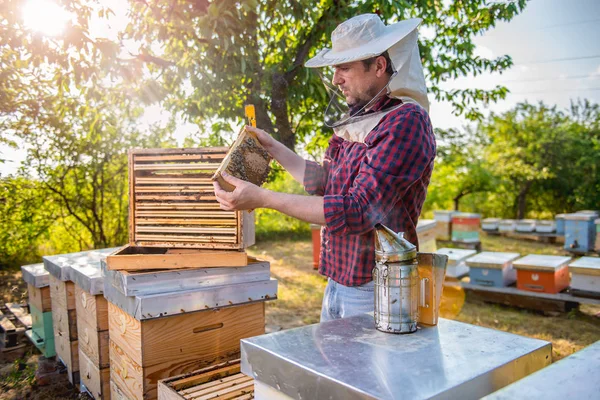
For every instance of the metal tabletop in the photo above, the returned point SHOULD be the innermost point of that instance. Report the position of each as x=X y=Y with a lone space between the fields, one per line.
x=35 y=275
x=349 y=359
x=573 y=377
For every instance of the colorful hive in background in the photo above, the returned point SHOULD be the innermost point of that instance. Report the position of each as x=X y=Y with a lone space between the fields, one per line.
x=491 y=268
x=490 y=224
x=539 y=273
x=585 y=275
x=545 y=226
x=507 y=225
x=465 y=227
x=580 y=232
x=597 y=235
x=426 y=232
x=525 y=225
x=456 y=261
x=40 y=308
x=443 y=218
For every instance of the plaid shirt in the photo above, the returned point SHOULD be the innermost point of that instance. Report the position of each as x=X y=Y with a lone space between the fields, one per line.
x=383 y=181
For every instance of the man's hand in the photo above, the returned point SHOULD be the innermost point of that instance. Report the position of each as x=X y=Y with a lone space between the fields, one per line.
x=263 y=137
x=246 y=196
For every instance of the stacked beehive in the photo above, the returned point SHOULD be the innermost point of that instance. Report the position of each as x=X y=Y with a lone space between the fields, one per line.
x=92 y=324
x=183 y=293
x=64 y=309
x=40 y=308
x=465 y=227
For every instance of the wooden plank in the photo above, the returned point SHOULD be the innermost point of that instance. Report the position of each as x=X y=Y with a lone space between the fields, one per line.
x=132 y=198
x=178 y=221
x=92 y=308
x=228 y=393
x=172 y=180
x=68 y=351
x=190 y=341
x=182 y=157
x=19 y=313
x=115 y=392
x=185 y=229
x=215 y=385
x=126 y=374
x=62 y=293
x=176 y=167
x=40 y=298
x=96 y=380
x=169 y=239
x=204 y=377
x=64 y=323
x=179 y=150
x=189 y=215
x=181 y=258
x=197 y=197
x=174 y=189
x=93 y=343
x=184 y=206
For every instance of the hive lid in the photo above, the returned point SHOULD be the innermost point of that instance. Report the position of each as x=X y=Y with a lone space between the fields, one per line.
x=456 y=256
x=465 y=215
x=507 y=222
x=541 y=262
x=491 y=259
x=546 y=222
x=425 y=224
x=526 y=221
x=586 y=266
x=35 y=275
x=491 y=220
x=581 y=216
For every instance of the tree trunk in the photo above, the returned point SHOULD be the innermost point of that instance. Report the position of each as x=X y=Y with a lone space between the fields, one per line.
x=522 y=199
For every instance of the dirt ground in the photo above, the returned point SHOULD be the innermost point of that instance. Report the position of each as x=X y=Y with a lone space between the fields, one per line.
x=300 y=294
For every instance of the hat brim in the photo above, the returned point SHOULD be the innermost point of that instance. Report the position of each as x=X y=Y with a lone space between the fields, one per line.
x=394 y=33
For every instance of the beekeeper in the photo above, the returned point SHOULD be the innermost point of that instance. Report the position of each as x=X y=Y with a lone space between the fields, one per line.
x=378 y=163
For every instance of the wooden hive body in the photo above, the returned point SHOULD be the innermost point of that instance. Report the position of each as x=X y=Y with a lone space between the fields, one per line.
x=64 y=321
x=172 y=202
x=246 y=160
x=143 y=352
x=92 y=333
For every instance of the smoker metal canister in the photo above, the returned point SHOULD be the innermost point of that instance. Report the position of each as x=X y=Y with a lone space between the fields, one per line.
x=396 y=282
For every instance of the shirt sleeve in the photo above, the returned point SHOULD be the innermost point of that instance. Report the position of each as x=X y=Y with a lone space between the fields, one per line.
x=397 y=155
x=315 y=177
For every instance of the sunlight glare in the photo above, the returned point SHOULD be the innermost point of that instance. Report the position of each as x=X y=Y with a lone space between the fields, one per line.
x=45 y=16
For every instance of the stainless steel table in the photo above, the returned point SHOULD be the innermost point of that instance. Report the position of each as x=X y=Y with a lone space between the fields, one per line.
x=574 y=377
x=350 y=359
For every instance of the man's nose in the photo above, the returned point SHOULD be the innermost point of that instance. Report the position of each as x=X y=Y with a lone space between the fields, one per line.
x=337 y=80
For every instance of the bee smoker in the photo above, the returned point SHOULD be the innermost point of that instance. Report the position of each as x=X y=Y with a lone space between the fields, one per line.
x=408 y=285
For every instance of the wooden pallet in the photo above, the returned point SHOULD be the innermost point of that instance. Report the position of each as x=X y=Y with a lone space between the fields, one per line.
x=10 y=330
x=173 y=205
x=511 y=296
x=222 y=382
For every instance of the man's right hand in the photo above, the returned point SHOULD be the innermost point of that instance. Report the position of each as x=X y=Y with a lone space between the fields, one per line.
x=267 y=141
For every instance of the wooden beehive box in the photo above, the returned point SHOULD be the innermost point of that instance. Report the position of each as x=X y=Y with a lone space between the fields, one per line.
x=541 y=273
x=143 y=352
x=174 y=215
x=221 y=381
x=64 y=321
x=40 y=307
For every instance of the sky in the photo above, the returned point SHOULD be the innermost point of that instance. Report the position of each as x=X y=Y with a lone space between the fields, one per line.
x=554 y=44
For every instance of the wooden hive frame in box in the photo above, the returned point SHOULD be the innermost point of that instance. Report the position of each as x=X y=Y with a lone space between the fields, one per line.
x=172 y=201
x=221 y=381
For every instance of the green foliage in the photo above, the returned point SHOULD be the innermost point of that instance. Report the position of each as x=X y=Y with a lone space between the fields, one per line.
x=271 y=224
x=211 y=58
x=533 y=160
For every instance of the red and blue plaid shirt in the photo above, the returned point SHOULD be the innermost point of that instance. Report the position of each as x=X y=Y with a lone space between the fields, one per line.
x=383 y=180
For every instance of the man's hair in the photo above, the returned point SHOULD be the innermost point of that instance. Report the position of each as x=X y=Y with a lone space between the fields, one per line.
x=389 y=67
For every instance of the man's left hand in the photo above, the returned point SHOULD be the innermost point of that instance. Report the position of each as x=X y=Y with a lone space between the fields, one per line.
x=246 y=195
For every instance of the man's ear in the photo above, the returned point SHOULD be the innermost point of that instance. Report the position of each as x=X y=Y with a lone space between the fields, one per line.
x=380 y=66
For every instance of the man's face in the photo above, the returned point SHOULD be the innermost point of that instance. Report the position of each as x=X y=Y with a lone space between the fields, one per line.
x=358 y=83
